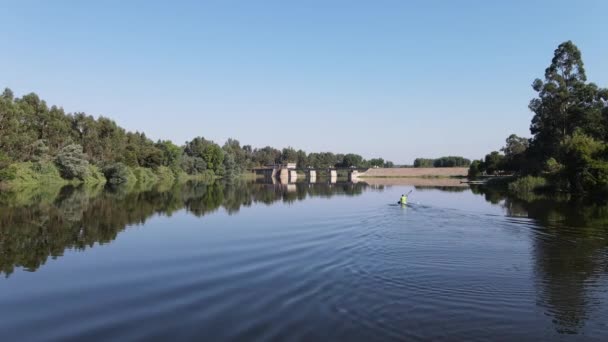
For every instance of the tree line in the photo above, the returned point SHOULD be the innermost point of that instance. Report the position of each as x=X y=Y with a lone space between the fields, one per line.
x=37 y=139
x=450 y=161
x=568 y=147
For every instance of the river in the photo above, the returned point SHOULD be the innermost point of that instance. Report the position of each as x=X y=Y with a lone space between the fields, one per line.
x=302 y=262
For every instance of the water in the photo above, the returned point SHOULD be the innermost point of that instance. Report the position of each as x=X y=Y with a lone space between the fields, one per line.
x=263 y=262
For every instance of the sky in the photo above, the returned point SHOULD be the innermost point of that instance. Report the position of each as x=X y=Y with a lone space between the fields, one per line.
x=394 y=79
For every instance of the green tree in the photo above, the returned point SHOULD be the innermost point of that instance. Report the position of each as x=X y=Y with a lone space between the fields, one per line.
x=302 y=159
x=352 y=160
x=586 y=166
x=423 y=162
x=289 y=155
x=171 y=153
x=494 y=162
x=208 y=151
x=378 y=162
x=476 y=169
x=565 y=102
x=72 y=162
x=515 y=153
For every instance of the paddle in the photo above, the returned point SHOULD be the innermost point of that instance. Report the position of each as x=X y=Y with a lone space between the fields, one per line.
x=406 y=195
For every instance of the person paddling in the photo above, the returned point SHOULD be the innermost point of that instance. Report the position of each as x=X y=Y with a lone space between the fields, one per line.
x=403 y=200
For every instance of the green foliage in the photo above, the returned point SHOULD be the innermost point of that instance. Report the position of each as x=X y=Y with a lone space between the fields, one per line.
x=552 y=166
x=230 y=167
x=193 y=165
x=119 y=173
x=210 y=152
x=527 y=184
x=476 y=169
x=423 y=162
x=94 y=176
x=377 y=162
x=289 y=155
x=352 y=160
x=30 y=130
x=165 y=174
x=586 y=166
x=144 y=175
x=515 y=153
x=72 y=163
x=449 y=161
x=4 y=160
x=28 y=173
x=494 y=162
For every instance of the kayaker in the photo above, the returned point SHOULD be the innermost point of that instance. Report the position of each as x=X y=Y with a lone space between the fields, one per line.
x=403 y=199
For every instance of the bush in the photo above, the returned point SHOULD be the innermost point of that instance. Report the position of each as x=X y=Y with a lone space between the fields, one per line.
x=527 y=184
x=4 y=160
x=118 y=173
x=145 y=175
x=94 y=175
x=475 y=169
x=72 y=162
x=30 y=173
x=165 y=174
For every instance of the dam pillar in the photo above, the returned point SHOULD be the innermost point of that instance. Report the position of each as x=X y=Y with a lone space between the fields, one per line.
x=312 y=176
x=353 y=176
x=284 y=175
x=333 y=175
x=293 y=175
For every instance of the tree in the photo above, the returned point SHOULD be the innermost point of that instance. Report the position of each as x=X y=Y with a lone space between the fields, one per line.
x=565 y=102
x=378 y=162
x=289 y=155
x=230 y=167
x=352 y=160
x=118 y=173
x=208 y=151
x=72 y=162
x=192 y=165
x=302 y=159
x=171 y=154
x=494 y=162
x=423 y=162
x=586 y=167
x=476 y=169
x=515 y=153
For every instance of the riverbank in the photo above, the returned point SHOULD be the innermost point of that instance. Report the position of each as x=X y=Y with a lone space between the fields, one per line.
x=421 y=172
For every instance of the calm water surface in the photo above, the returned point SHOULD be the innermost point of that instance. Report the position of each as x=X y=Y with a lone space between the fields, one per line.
x=264 y=262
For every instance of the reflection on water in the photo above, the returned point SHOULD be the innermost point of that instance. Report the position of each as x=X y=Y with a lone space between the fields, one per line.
x=339 y=262
x=570 y=252
x=41 y=223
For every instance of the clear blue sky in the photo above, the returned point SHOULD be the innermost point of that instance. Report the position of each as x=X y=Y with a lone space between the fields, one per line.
x=397 y=79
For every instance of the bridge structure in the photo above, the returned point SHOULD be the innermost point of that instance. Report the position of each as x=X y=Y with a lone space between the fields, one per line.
x=288 y=173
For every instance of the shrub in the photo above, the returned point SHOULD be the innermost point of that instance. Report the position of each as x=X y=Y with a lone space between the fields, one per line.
x=165 y=174
x=30 y=173
x=72 y=162
x=118 y=173
x=94 y=175
x=4 y=160
x=527 y=184
x=145 y=175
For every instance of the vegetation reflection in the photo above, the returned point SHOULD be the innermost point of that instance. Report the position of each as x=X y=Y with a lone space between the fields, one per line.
x=37 y=223
x=569 y=250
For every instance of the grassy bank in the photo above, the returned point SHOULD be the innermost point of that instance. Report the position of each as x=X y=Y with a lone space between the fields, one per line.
x=28 y=175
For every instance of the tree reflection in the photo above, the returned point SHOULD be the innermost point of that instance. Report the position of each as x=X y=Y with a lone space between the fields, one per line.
x=36 y=224
x=570 y=252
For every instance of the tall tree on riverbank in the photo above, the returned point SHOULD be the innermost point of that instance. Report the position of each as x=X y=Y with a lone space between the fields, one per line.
x=569 y=130
x=565 y=102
